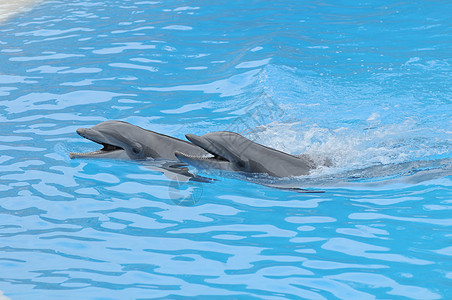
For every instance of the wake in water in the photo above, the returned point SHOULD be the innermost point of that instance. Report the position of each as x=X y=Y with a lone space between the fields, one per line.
x=383 y=156
x=412 y=172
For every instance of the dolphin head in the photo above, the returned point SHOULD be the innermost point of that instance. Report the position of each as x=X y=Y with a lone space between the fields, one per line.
x=226 y=151
x=118 y=139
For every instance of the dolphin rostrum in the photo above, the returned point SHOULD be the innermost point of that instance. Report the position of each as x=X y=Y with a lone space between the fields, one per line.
x=121 y=140
x=232 y=152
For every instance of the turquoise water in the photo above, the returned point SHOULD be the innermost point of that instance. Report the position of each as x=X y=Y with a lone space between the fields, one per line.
x=367 y=84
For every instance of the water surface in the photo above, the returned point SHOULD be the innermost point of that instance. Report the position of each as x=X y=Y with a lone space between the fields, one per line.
x=368 y=85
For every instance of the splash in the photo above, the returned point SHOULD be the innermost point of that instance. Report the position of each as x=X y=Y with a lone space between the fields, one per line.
x=350 y=148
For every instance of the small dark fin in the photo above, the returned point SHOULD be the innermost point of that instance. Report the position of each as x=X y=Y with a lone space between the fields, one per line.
x=198 y=178
x=181 y=168
x=174 y=164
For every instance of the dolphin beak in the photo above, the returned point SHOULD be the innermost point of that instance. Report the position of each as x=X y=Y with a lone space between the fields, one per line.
x=82 y=131
x=90 y=134
x=203 y=143
x=197 y=140
x=97 y=137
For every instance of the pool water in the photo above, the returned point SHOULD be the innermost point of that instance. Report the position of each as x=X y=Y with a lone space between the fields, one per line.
x=368 y=85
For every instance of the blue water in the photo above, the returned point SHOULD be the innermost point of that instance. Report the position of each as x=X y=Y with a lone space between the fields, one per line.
x=367 y=84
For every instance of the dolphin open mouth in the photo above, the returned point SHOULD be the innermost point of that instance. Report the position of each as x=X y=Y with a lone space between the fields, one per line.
x=98 y=138
x=204 y=144
x=212 y=156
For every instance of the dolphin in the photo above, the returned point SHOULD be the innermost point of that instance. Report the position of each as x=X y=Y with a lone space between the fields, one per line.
x=122 y=140
x=231 y=151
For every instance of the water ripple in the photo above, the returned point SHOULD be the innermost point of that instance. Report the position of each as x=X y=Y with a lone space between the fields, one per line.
x=368 y=86
x=51 y=101
x=355 y=248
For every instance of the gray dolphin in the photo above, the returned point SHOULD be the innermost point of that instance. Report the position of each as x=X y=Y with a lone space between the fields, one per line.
x=232 y=152
x=121 y=140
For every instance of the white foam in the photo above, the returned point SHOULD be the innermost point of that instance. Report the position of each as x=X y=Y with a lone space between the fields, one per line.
x=350 y=148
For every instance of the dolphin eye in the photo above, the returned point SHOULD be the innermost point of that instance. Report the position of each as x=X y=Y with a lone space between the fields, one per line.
x=241 y=164
x=136 y=149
